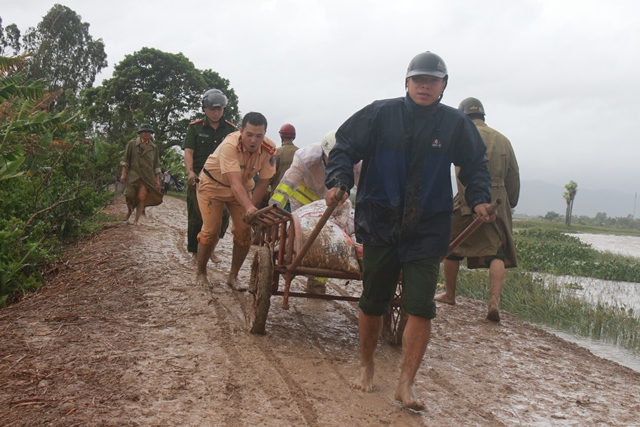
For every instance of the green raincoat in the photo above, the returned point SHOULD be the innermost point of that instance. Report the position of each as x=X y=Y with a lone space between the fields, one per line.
x=142 y=164
x=505 y=185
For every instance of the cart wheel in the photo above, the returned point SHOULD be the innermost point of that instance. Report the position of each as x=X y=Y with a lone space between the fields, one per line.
x=259 y=290
x=396 y=319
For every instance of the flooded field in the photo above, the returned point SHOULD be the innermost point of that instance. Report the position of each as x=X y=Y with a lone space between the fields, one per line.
x=621 y=245
x=620 y=294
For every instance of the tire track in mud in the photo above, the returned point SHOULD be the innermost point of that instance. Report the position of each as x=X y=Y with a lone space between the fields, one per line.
x=229 y=340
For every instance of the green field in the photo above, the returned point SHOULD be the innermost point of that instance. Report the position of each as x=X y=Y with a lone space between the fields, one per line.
x=545 y=247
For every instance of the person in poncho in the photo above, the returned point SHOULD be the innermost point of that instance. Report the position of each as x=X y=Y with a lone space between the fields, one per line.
x=141 y=173
x=491 y=246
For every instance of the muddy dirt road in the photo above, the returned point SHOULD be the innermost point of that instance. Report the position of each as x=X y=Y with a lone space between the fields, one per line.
x=121 y=336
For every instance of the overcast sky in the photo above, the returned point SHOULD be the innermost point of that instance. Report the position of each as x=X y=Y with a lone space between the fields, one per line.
x=559 y=78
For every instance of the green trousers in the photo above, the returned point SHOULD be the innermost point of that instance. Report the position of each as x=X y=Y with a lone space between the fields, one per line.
x=194 y=221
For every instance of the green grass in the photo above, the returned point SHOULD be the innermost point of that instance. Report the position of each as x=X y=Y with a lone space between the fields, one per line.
x=519 y=224
x=550 y=250
x=554 y=252
x=556 y=306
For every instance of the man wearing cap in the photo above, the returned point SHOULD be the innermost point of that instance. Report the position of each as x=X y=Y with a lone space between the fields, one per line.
x=284 y=157
x=226 y=180
x=404 y=204
x=141 y=172
x=203 y=137
x=490 y=246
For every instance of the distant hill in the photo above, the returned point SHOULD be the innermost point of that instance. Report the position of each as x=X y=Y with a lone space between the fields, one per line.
x=539 y=197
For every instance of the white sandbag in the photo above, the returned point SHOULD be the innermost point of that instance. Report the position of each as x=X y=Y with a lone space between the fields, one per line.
x=333 y=248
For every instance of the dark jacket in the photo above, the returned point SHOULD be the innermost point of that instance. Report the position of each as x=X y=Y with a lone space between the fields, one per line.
x=203 y=139
x=404 y=196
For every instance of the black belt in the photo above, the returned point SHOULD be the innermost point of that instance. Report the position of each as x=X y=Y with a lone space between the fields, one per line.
x=206 y=172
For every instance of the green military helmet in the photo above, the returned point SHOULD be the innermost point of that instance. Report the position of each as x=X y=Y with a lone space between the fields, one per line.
x=471 y=105
x=427 y=64
x=214 y=98
x=145 y=127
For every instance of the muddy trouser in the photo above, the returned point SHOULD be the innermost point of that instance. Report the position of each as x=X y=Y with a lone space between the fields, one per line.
x=212 y=198
x=381 y=268
x=194 y=218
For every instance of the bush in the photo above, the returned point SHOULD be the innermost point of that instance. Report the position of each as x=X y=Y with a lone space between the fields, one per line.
x=51 y=180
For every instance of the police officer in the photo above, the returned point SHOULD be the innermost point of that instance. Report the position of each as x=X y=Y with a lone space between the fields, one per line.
x=227 y=179
x=203 y=137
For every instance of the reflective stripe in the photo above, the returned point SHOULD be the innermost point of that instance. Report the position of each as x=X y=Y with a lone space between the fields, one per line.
x=308 y=193
x=300 y=197
x=284 y=188
x=279 y=198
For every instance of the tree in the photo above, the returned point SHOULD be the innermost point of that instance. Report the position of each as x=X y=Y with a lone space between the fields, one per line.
x=63 y=53
x=151 y=86
x=569 y=195
x=9 y=38
x=601 y=218
x=552 y=216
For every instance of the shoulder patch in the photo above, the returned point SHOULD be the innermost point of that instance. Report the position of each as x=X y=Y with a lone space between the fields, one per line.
x=231 y=124
x=195 y=122
x=268 y=148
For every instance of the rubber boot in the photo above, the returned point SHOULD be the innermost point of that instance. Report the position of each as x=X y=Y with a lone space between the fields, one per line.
x=239 y=254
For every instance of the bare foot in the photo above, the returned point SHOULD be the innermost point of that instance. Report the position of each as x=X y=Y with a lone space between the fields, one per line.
x=203 y=279
x=214 y=257
x=232 y=281
x=445 y=299
x=365 y=381
x=493 y=313
x=407 y=396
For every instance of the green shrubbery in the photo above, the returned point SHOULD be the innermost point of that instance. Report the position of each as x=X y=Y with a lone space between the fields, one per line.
x=51 y=180
x=555 y=252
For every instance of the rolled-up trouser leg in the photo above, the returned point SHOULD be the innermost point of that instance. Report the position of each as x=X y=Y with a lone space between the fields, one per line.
x=194 y=220
x=212 y=211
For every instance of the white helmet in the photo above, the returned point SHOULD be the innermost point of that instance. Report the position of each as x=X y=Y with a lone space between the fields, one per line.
x=328 y=142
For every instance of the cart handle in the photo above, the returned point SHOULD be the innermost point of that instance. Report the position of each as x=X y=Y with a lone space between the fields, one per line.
x=472 y=227
x=316 y=230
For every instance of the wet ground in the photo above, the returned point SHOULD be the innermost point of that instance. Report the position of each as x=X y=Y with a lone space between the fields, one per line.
x=121 y=336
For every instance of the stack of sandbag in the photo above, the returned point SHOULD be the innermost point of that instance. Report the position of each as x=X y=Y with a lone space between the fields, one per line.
x=334 y=248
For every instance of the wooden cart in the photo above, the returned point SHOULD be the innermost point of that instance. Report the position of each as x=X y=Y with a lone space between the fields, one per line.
x=276 y=256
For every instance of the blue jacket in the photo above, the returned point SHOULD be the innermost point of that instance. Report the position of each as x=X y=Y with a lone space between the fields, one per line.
x=404 y=196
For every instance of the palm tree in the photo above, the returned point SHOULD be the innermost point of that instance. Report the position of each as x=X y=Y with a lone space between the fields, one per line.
x=569 y=195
